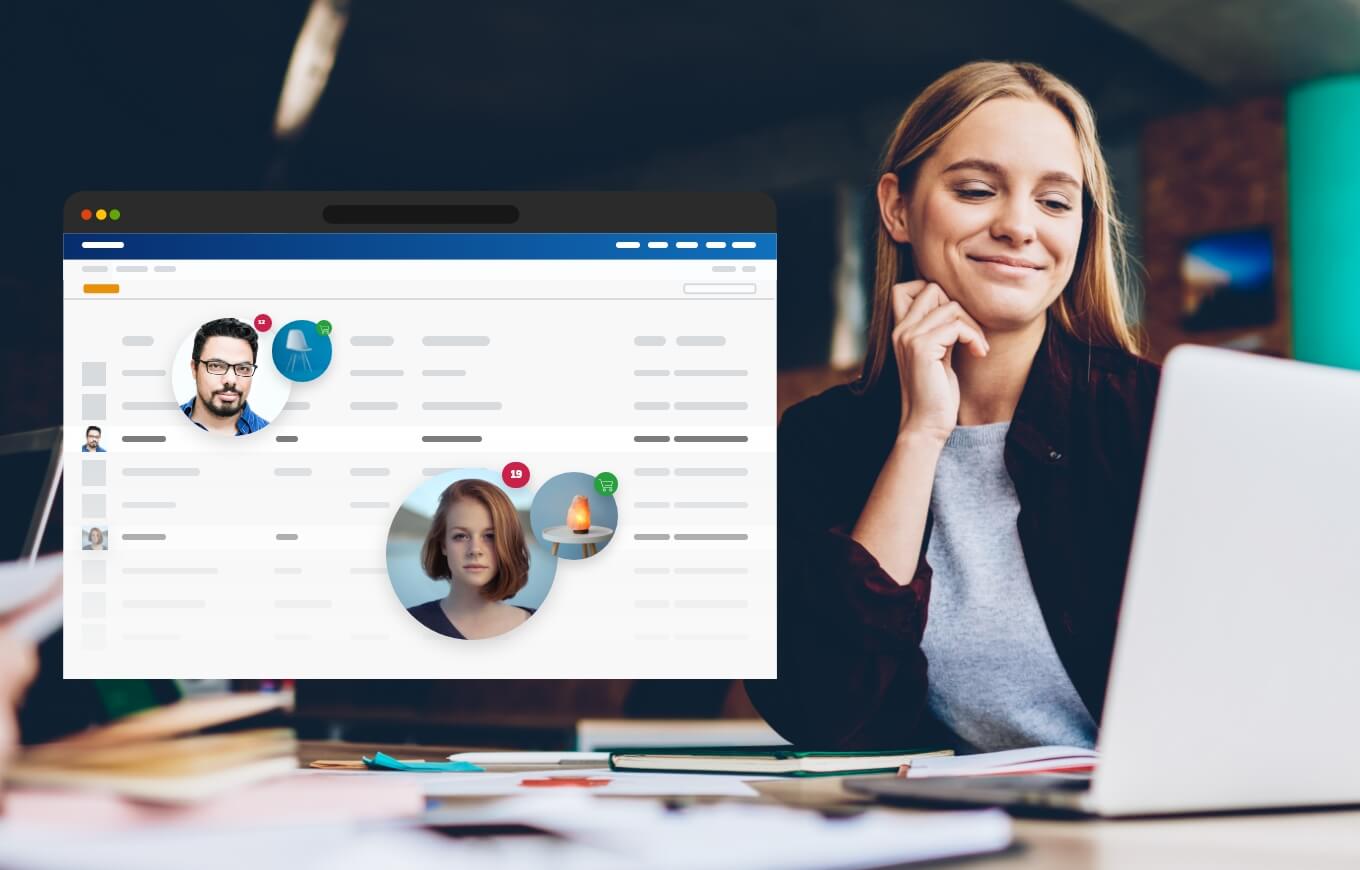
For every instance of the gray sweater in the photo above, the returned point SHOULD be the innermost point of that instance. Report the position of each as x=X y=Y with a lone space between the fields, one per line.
x=994 y=677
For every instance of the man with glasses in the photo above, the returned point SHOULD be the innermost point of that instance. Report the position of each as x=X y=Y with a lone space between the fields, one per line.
x=224 y=364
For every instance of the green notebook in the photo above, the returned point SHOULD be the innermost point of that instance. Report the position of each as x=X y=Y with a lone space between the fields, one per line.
x=766 y=760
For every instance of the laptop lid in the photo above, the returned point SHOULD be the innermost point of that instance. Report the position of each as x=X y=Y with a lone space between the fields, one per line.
x=30 y=466
x=1235 y=681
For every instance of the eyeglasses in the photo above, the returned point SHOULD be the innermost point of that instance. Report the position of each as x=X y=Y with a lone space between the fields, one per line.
x=219 y=367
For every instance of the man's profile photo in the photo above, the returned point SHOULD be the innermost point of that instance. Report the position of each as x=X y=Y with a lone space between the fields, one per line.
x=223 y=365
x=92 y=436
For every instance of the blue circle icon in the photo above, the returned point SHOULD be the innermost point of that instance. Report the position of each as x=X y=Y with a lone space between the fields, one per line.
x=302 y=352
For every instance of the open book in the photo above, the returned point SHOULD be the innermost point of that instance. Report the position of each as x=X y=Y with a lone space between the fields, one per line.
x=1036 y=759
x=156 y=756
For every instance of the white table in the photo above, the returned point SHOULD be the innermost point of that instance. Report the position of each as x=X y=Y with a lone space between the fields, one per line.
x=589 y=541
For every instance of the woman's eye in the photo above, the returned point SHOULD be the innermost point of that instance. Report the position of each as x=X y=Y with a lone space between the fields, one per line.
x=1057 y=204
x=458 y=536
x=973 y=192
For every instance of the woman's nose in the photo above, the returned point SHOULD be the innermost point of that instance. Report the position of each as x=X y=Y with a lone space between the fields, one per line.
x=1014 y=222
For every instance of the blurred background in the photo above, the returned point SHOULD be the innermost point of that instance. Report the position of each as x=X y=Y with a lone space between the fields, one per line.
x=1232 y=127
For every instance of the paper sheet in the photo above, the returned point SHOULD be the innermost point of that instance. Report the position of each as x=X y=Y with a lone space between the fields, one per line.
x=594 y=781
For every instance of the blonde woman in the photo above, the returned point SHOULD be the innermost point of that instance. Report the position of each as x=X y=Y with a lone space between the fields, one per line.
x=954 y=527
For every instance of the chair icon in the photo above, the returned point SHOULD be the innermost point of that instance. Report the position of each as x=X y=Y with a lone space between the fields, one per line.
x=296 y=342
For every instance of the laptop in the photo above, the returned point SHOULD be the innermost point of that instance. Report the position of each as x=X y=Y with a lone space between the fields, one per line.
x=30 y=465
x=1235 y=681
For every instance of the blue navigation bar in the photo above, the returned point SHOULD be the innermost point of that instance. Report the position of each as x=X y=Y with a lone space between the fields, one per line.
x=417 y=246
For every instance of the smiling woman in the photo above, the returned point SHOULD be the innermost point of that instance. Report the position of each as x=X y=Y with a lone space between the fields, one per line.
x=984 y=469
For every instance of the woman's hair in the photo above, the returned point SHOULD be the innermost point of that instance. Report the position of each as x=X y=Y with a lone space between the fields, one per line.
x=512 y=555
x=96 y=531
x=1092 y=305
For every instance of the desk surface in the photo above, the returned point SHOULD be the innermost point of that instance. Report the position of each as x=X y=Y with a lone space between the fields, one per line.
x=1275 y=840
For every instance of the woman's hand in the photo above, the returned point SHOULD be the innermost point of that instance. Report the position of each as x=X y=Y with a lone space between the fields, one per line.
x=928 y=325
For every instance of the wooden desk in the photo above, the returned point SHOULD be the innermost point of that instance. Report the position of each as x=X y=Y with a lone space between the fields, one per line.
x=1242 y=842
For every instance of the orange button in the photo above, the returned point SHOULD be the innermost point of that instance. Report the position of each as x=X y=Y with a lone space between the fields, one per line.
x=101 y=288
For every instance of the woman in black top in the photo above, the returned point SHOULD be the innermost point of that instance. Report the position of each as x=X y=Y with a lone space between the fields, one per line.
x=998 y=298
x=476 y=543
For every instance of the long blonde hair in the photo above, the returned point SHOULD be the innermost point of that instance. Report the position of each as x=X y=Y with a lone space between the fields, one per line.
x=1092 y=306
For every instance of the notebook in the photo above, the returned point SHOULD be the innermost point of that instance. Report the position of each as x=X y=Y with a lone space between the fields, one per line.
x=763 y=761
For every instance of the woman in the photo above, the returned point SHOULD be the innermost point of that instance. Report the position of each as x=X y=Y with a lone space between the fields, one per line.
x=96 y=539
x=476 y=543
x=984 y=469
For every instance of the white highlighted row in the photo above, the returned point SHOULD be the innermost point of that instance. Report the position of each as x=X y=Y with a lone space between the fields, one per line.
x=691 y=245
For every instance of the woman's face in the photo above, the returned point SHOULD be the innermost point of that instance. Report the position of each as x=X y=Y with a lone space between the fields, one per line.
x=96 y=537
x=470 y=543
x=995 y=215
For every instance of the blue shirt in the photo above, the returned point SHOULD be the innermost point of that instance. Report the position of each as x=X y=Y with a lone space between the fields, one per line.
x=85 y=448
x=248 y=422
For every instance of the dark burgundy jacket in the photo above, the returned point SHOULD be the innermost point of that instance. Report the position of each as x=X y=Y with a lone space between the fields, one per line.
x=851 y=671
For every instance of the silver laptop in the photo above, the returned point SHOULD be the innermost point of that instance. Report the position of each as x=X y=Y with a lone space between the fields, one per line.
x=1235 y=682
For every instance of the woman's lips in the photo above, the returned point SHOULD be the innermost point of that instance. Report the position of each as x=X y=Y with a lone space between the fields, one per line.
x=1008 y=266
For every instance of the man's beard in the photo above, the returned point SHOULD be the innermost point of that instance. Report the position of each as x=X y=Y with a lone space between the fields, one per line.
x=222 y=410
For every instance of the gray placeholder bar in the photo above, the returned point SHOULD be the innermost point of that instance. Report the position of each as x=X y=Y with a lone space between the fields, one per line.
x=158 y=570
x=711 y=373
x=444 y=373
x=711 y=472
x=704 y=505
x=704 y=604
x=138 y=341
x=651 y=373
x=150 y=406
x=164 y=268
x=701 y=340
x=456 y=340
x=160 y=472
x=652 y=472
x=431 y=472
x=376 y=373
x=144 y=536
x=711 y=439
x=368 y=504
x=156 y=505
x=286 y=439
x=373 y=406
x=712 y=571
x=641 y=536
x=292 y=472
x=651 y=439
x=370 y=472
x=297 y=406
x=651 y=406
x=649 y=340
x=143 y=439
x=131 y=268
x=710 y=406
x=461 y=406
x=94 y=268
x=651 y=570
x=371 y=340
x=651 y=505
x=287 y=570
x=450 y=439
x=706 y=536
x=286 y=536
x=165 y=604
x=143 y=373
x=652 y=603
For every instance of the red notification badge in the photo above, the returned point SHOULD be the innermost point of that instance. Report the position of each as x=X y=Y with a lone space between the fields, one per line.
x=515 y=474
x=263 y=322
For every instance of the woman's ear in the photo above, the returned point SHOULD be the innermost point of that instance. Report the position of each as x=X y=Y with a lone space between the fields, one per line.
x=892 y=208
